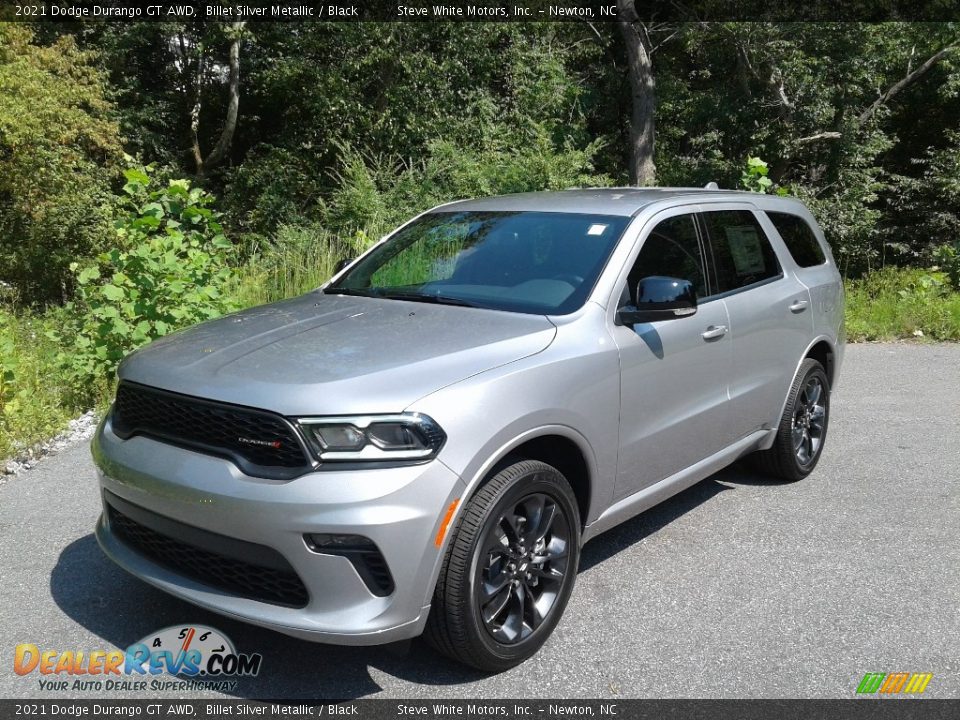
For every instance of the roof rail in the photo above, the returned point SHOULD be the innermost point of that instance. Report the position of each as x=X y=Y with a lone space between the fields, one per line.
x=711 y=186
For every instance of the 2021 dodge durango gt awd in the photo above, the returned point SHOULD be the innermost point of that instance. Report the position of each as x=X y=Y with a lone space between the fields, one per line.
x=424 y=444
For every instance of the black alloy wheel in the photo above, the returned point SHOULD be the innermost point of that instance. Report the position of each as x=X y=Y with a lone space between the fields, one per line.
x=509 y=568
x=523 y=567
x=803 y=426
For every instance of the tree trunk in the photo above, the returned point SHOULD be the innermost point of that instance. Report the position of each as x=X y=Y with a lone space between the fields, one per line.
x=643 y=99
x=222 y=148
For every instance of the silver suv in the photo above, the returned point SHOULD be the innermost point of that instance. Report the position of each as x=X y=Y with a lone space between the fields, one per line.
x=424 y=444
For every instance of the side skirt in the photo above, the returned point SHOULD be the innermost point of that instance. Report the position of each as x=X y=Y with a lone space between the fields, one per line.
x=658 y=492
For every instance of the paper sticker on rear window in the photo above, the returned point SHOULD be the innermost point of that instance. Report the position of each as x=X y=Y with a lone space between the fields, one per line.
x=596 y=229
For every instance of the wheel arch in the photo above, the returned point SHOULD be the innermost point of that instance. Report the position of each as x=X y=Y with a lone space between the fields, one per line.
x=823 y=350
x=530 y=445
x=558 y=451
x=557 y=445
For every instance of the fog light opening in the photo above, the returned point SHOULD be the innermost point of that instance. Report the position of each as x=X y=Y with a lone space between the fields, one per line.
x=362 y=553
x=335 y=544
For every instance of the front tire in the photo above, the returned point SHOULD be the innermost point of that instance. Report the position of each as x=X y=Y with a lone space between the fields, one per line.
x=803 y=427
x=509 y=569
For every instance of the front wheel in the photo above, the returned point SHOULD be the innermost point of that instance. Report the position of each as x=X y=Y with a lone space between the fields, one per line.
x=803 y=427
x=509 y=569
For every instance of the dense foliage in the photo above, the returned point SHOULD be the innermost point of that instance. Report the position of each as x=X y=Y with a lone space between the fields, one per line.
x=170 y=271
x=858 y=119
x=59 y=148
x=317 y=138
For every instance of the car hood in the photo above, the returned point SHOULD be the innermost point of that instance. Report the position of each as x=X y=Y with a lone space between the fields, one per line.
x=329 y=354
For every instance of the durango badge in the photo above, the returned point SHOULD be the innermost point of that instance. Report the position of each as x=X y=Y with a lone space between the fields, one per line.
x=253 y=441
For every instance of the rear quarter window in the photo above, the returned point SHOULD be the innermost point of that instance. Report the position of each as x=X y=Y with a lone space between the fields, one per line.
x=799 y=238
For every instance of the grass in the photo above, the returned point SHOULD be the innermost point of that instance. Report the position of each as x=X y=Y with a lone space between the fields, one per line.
x=35 y=400
x=902 y=303
x=300 y=259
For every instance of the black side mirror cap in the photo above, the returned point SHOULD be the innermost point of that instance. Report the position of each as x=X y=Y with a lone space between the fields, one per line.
x=659 y=298
x=341 y=264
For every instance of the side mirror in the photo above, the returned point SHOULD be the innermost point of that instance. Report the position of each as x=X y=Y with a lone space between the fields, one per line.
x=343 y=262
x=659 y=298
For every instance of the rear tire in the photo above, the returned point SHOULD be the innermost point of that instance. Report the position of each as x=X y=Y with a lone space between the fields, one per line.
x=803 y=427
x=508 y=570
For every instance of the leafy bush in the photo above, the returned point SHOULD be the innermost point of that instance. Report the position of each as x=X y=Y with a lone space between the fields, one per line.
x=948 y=256
x=924 y=208
x=169 y=272
x=894 y=303
x=374 y=194
x=59 y=150
x=754 y=176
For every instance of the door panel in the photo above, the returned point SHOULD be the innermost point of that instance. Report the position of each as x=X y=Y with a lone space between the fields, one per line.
x=770 y=317
x=814 y=267
x=769 y=338
x=673 y=396
x=673 y=373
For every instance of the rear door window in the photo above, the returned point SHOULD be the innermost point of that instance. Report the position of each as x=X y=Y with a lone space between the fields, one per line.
x=799 y=238
x=742 y=254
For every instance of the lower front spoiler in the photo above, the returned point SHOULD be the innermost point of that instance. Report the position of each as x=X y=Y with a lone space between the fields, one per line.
x=249 y=611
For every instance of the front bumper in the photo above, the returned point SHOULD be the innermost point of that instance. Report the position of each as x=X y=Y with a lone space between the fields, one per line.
x=399 y=509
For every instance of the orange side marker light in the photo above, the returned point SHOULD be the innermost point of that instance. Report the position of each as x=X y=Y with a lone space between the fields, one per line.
x=442 y=532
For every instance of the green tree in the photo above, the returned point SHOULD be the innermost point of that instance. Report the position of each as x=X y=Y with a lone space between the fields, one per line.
x=59 y=150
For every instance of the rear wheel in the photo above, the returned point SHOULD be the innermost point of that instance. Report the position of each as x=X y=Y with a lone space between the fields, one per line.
x=803 y=427
x=509 y=569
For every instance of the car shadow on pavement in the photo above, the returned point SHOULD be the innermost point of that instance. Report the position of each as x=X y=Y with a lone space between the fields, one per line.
x=122 y=610
x=636 y=529
x=647 y=523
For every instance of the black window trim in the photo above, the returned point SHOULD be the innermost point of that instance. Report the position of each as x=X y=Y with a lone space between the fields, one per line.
x=712 y=271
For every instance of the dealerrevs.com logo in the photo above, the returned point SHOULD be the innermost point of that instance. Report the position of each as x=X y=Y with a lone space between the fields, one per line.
x=200 y=657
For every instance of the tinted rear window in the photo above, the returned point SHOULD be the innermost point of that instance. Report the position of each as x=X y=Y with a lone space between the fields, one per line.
x=799 y=239
x=742 y=254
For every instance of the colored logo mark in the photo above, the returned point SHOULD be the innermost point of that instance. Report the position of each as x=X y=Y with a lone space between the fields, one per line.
x=894 y=683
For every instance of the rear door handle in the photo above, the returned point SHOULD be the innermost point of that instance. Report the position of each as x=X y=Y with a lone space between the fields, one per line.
x=713 y=332
x=799 y=306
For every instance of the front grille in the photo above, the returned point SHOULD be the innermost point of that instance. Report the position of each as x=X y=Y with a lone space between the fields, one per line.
x=270 y=580
x=260 y=443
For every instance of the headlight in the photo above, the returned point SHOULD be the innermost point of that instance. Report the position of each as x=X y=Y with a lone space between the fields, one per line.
x=409 y=436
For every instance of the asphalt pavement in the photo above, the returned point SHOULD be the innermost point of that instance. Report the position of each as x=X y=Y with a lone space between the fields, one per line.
x=737 y=587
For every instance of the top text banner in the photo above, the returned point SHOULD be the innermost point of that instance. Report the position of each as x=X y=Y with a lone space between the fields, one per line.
x=593 y=11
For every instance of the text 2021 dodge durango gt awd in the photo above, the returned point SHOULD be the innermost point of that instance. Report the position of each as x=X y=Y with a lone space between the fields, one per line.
x=424 y=444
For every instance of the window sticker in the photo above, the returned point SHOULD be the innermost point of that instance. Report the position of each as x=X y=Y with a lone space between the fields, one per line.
x=745 y=249
x=596 y=229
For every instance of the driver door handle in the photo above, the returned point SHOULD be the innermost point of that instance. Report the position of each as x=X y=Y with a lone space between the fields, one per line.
x=713 y=332
x=799 y=306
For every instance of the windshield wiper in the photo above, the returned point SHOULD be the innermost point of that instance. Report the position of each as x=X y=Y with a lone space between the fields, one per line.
x=435 y=299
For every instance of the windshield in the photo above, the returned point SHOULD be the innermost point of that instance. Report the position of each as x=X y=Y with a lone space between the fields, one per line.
x=532 y=262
